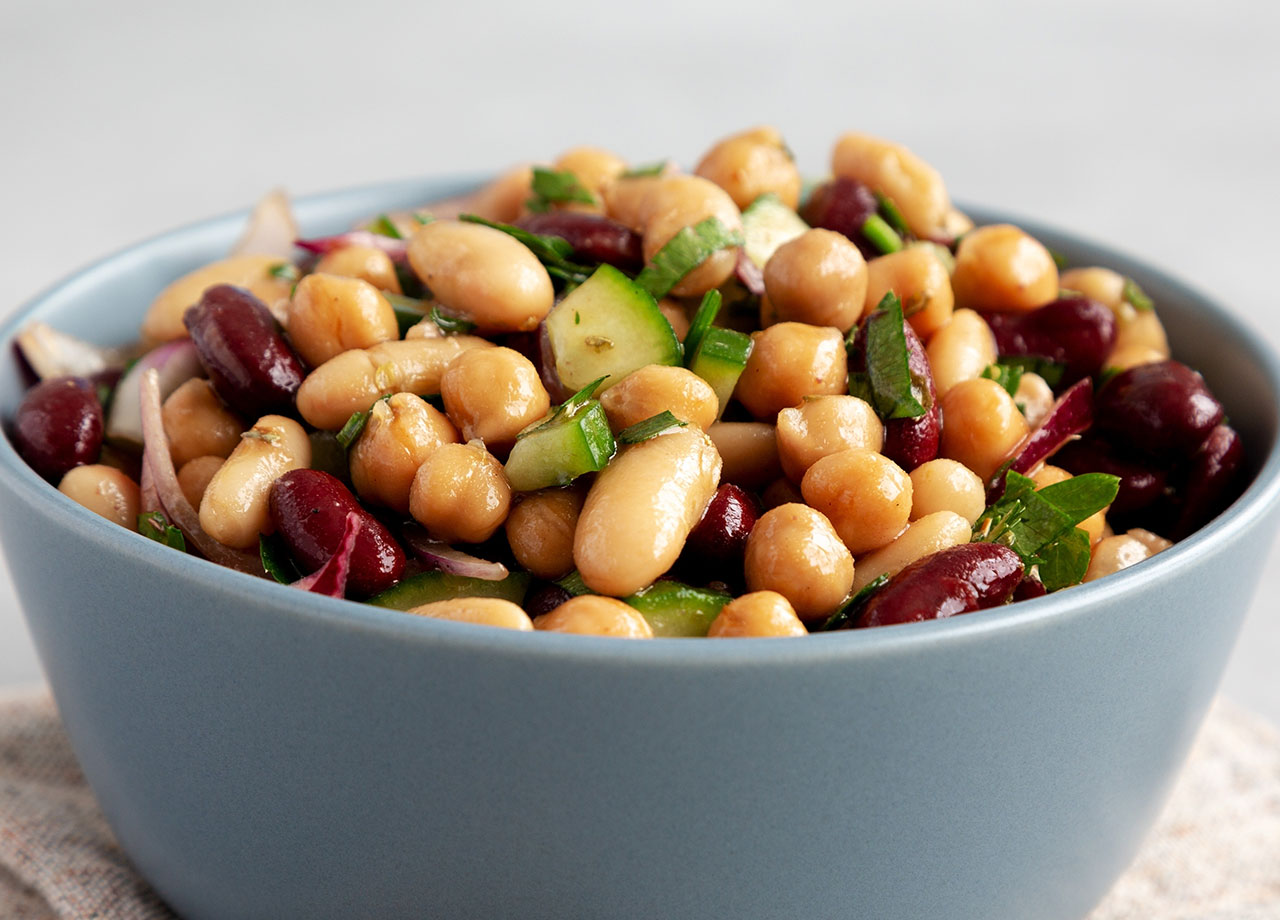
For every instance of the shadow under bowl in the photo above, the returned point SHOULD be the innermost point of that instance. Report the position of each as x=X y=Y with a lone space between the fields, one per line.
x=265 y=753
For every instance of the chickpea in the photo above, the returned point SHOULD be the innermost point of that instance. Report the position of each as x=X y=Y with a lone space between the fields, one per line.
x=760 y=613
x=330 y=314
x=751 y=164
x=460 y=493
x=960 y=350
x=493 y=394
x=641 y=508
x=1111 y=554
x=486 y=611
x=789 y=362
x=1138 y=334
x=398 y=437
x=355 y=379
x=781 y=492
x=824 y=425
x=503 y=199
x=659 y=207
x=234 y=509
x=819 y=278
x=865 y=495
x=592 y=615
x=104 y=490
x=540 y=531
x=749 y=451
x=794 y=551
x=197 y=423
x=163 y=322
x=195 y=475
x=893 y=170
x=1049 y=475
x=922 y=283
x=676 y=315
x=363 y=262
x=424 y=329
x=653 y=388
x=482 y=274
x=1122 y=359
x=999 y=267
x=1100 y=284
x=981 y=425
x=1034 y=397
x=594 y=168
x=945 y=485
x=930 y=534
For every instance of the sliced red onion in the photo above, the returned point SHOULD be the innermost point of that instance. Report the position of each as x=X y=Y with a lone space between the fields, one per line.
x=444 y=557
x=271 y=229
x=148 y=499
x=55 y=354
x=1071 y=415
x=331 y=578
x=176 y=362
x=397 y=249
x=164 y=479
x=749 y=273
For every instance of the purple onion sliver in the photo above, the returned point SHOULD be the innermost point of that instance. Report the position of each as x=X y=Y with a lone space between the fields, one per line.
x=396 y=249
x=1071 y=415
x=331 y=578
x=445 y=558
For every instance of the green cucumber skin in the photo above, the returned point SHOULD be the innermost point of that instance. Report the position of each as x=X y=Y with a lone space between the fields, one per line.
x=428 y=587
x=677 y=610
x=623 y=322
x=767 y=223
x=720 y=360
x=560 y=452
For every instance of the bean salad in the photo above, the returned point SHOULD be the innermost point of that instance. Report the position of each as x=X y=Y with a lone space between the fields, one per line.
x=635 y=401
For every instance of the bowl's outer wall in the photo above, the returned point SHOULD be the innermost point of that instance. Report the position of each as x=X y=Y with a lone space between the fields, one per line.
x=264 y=754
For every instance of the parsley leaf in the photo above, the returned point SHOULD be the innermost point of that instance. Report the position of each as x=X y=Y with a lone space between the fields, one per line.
x=551 y=187
x=383 y=226
x=683 y=253
x=1065 y=560
x=552 y=251
x=284 y=271
x=641 y=172
x=450 y=325
x=852 y=607
x=1007 y=375
x=1050 y=371
x=155 y=526
x=276 y=559
x=1136 y=296
x=650 y=427
x=887 y=379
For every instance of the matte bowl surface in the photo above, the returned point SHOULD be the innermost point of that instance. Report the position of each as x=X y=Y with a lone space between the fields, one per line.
x=261 y=752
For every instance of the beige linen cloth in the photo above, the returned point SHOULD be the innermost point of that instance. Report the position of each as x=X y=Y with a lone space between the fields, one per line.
x=1214 y=855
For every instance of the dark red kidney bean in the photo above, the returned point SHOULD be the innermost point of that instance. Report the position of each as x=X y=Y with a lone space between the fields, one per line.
x=309 y=509
x=961 y=579
x=908 y=442
x=1212 y=481
x=249 y=363
x=1076 y=332
x=718 y=542
x=58 y=426
x=594 y=237
x=1157 y=409
x=843 y=205
x=544 y=597
x=1028 y=589
x=1141 y=484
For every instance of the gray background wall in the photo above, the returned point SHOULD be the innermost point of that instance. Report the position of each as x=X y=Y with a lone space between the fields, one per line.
x=1150 y=125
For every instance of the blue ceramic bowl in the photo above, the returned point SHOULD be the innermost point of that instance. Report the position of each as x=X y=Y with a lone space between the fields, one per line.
x=261 y=752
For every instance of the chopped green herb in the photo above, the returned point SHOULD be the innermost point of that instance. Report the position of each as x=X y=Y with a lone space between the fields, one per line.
x=1069 y=294
x=892 y=214
x=276 y=559
x=1040 y=525
x=649 y=169
x=702 y=320
x=383 y=226
x=1007 y=375
x=551 y=187
x=882 y=236
x=683 y=253
x=450 y=325
x=409 y=311
x=552 y=251
x=155 y=526
x=650 y=427
x=1136 y=296
x=1105 y=377
x=1050 y=371
x=888 y=380
x=853 y=606
x=351 y=431
x=1058 y=259
x=284 y=271
x=105 y=392
x=422 y=218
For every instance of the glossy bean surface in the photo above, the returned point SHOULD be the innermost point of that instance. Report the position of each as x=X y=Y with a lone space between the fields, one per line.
x=972 y=576
x=58 y=426
x=1158 y=408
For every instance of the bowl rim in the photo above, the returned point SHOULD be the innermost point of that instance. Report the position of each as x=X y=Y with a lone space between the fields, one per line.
x=907 y=639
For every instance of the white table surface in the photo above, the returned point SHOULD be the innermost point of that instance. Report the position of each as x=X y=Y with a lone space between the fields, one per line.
x=1149 y=125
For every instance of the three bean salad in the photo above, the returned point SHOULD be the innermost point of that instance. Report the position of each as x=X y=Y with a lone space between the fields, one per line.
x=634 y=401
